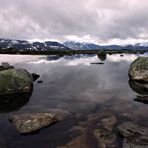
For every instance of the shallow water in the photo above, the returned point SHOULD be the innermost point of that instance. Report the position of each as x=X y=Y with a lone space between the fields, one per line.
x=76 y=91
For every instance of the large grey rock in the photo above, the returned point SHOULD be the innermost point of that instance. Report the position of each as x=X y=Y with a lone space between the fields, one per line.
x=15 y=81
x=134 y=133
x=30 y=122
x=139 y=69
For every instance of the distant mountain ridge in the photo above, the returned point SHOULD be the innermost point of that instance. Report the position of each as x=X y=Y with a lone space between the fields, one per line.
x=23 y=45
x=89 y=46
x=26 y=45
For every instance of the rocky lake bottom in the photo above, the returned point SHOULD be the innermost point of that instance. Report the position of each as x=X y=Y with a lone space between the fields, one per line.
x=91 y=97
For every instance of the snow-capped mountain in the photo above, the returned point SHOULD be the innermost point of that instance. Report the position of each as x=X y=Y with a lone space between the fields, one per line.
x=89 y=46
x=27 y=45
x=80 y=46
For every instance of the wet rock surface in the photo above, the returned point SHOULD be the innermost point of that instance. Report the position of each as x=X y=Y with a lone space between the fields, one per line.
x=134 y=133
x=139 y=69
x=105 y=138
x=15 y=81
x=31 y=122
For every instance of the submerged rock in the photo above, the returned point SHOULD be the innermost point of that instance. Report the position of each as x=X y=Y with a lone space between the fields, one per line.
x=139 y=69
x=15 y=81
x=105 y=138
x=134 y=133
x=109 y=122
x=78 y=142
x=30 y=122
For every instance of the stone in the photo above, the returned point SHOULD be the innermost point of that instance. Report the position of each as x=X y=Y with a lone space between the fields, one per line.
x=31 y=122
x=139 y=69
x=5 y=66
x=15 y=81
x=78 y=142
x=134 y=133
x=109 y=122
x=105 y=138
x=126 y=144
x=35 y=76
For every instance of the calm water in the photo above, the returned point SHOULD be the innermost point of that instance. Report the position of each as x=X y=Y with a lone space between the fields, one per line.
x=75 y=90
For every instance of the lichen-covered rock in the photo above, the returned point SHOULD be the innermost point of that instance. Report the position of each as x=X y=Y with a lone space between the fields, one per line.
x=15 y=81
x=143 y=99
x=139 y=69
x=30 y=122
x=134 y=133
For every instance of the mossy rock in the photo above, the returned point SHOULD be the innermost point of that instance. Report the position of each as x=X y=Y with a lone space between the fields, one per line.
x=15 y=81
x=139 y=69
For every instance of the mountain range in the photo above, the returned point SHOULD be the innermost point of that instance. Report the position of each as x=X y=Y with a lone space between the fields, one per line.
x=22 y=45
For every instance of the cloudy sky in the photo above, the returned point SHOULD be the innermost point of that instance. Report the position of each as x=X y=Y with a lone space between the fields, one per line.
x=101 y=21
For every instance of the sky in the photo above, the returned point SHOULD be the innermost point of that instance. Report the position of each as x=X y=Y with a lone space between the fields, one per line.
x=96 y=21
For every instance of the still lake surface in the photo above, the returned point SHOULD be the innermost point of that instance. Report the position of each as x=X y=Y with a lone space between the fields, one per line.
x=75 y=90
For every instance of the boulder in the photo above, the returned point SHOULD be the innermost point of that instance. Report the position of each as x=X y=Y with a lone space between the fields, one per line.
x=15 y=81
x=139 y=69
x=5 y=66
x=134 y=133
x=31 y=122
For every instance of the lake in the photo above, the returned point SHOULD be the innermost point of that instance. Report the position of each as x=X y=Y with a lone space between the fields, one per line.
x=80 y=90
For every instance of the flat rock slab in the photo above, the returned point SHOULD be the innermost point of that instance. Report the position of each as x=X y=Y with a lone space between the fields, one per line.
x=31 y=122
x=134 y=133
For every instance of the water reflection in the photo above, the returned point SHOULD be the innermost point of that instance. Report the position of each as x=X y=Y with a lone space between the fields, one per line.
x=9 y=103
x=73 y=87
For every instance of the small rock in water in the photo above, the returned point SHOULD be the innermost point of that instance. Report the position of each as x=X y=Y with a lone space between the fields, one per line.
x=30 y=122
x=5 y=66
x=134 y=133
x=35 y=76
x=40 y=81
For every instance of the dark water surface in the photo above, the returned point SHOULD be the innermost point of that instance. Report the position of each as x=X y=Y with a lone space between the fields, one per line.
x=76 y=91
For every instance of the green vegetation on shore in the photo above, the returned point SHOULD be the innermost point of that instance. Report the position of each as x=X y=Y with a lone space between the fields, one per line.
x=67 y=52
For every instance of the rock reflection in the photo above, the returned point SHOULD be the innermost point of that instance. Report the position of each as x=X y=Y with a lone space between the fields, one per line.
x=9 y=103
x=141 y=89
x=102 y=55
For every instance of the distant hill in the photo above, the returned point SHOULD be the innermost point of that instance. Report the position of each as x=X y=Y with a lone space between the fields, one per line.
x=89 y=46
x=34 y=46
x=24 y=45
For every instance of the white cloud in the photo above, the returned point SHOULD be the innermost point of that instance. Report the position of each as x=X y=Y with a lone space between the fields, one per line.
x=100 y=21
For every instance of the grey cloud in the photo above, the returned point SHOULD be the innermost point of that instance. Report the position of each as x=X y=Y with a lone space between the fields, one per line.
x=56 y=19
